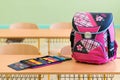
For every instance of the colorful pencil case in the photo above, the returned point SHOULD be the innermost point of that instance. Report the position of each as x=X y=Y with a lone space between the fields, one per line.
x=38 y=62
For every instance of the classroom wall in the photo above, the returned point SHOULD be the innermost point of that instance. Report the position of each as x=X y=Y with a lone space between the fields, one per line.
x=51 y=11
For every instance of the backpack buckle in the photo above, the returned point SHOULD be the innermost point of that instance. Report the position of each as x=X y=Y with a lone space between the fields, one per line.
x=87 y=35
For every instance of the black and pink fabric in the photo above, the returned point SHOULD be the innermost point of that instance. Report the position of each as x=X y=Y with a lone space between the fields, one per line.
x=92 y=38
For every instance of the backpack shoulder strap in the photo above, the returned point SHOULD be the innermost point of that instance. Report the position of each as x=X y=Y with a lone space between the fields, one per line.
x=72 y=38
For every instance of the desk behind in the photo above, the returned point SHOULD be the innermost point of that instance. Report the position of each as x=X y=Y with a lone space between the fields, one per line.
x=37 y=34
x=40 y=33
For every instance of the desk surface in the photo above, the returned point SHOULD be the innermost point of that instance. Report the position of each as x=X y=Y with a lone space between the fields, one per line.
x=39 y=33
x=70 y=67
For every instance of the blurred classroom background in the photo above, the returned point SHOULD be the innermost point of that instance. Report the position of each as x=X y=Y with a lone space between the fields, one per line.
x=46 y=12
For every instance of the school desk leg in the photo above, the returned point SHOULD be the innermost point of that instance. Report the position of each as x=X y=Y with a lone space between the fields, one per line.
x=80 y=76
x=58 y=76
x=48 y=76
x=7 y=76
x=39 y=77
x=39 y=43
x=48 y=46
x=89 y=77
x=104 y=77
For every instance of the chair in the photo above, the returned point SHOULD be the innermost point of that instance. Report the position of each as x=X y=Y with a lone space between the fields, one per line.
x=66 y=51
x=19 y=49
x=21 y=25
x=60 y=25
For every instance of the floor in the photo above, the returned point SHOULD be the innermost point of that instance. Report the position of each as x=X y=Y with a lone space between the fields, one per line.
x=56 y=45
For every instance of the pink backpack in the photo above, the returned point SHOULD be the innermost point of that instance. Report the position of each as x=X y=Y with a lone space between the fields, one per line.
x=93 y=38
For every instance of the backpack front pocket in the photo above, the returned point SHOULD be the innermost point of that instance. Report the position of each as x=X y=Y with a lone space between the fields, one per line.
x=87 y=50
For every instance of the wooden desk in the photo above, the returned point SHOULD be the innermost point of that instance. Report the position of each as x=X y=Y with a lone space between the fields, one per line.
x=39 y=33
x=68 y=67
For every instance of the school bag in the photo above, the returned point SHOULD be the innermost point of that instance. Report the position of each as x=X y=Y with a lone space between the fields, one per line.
x=93 y=37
